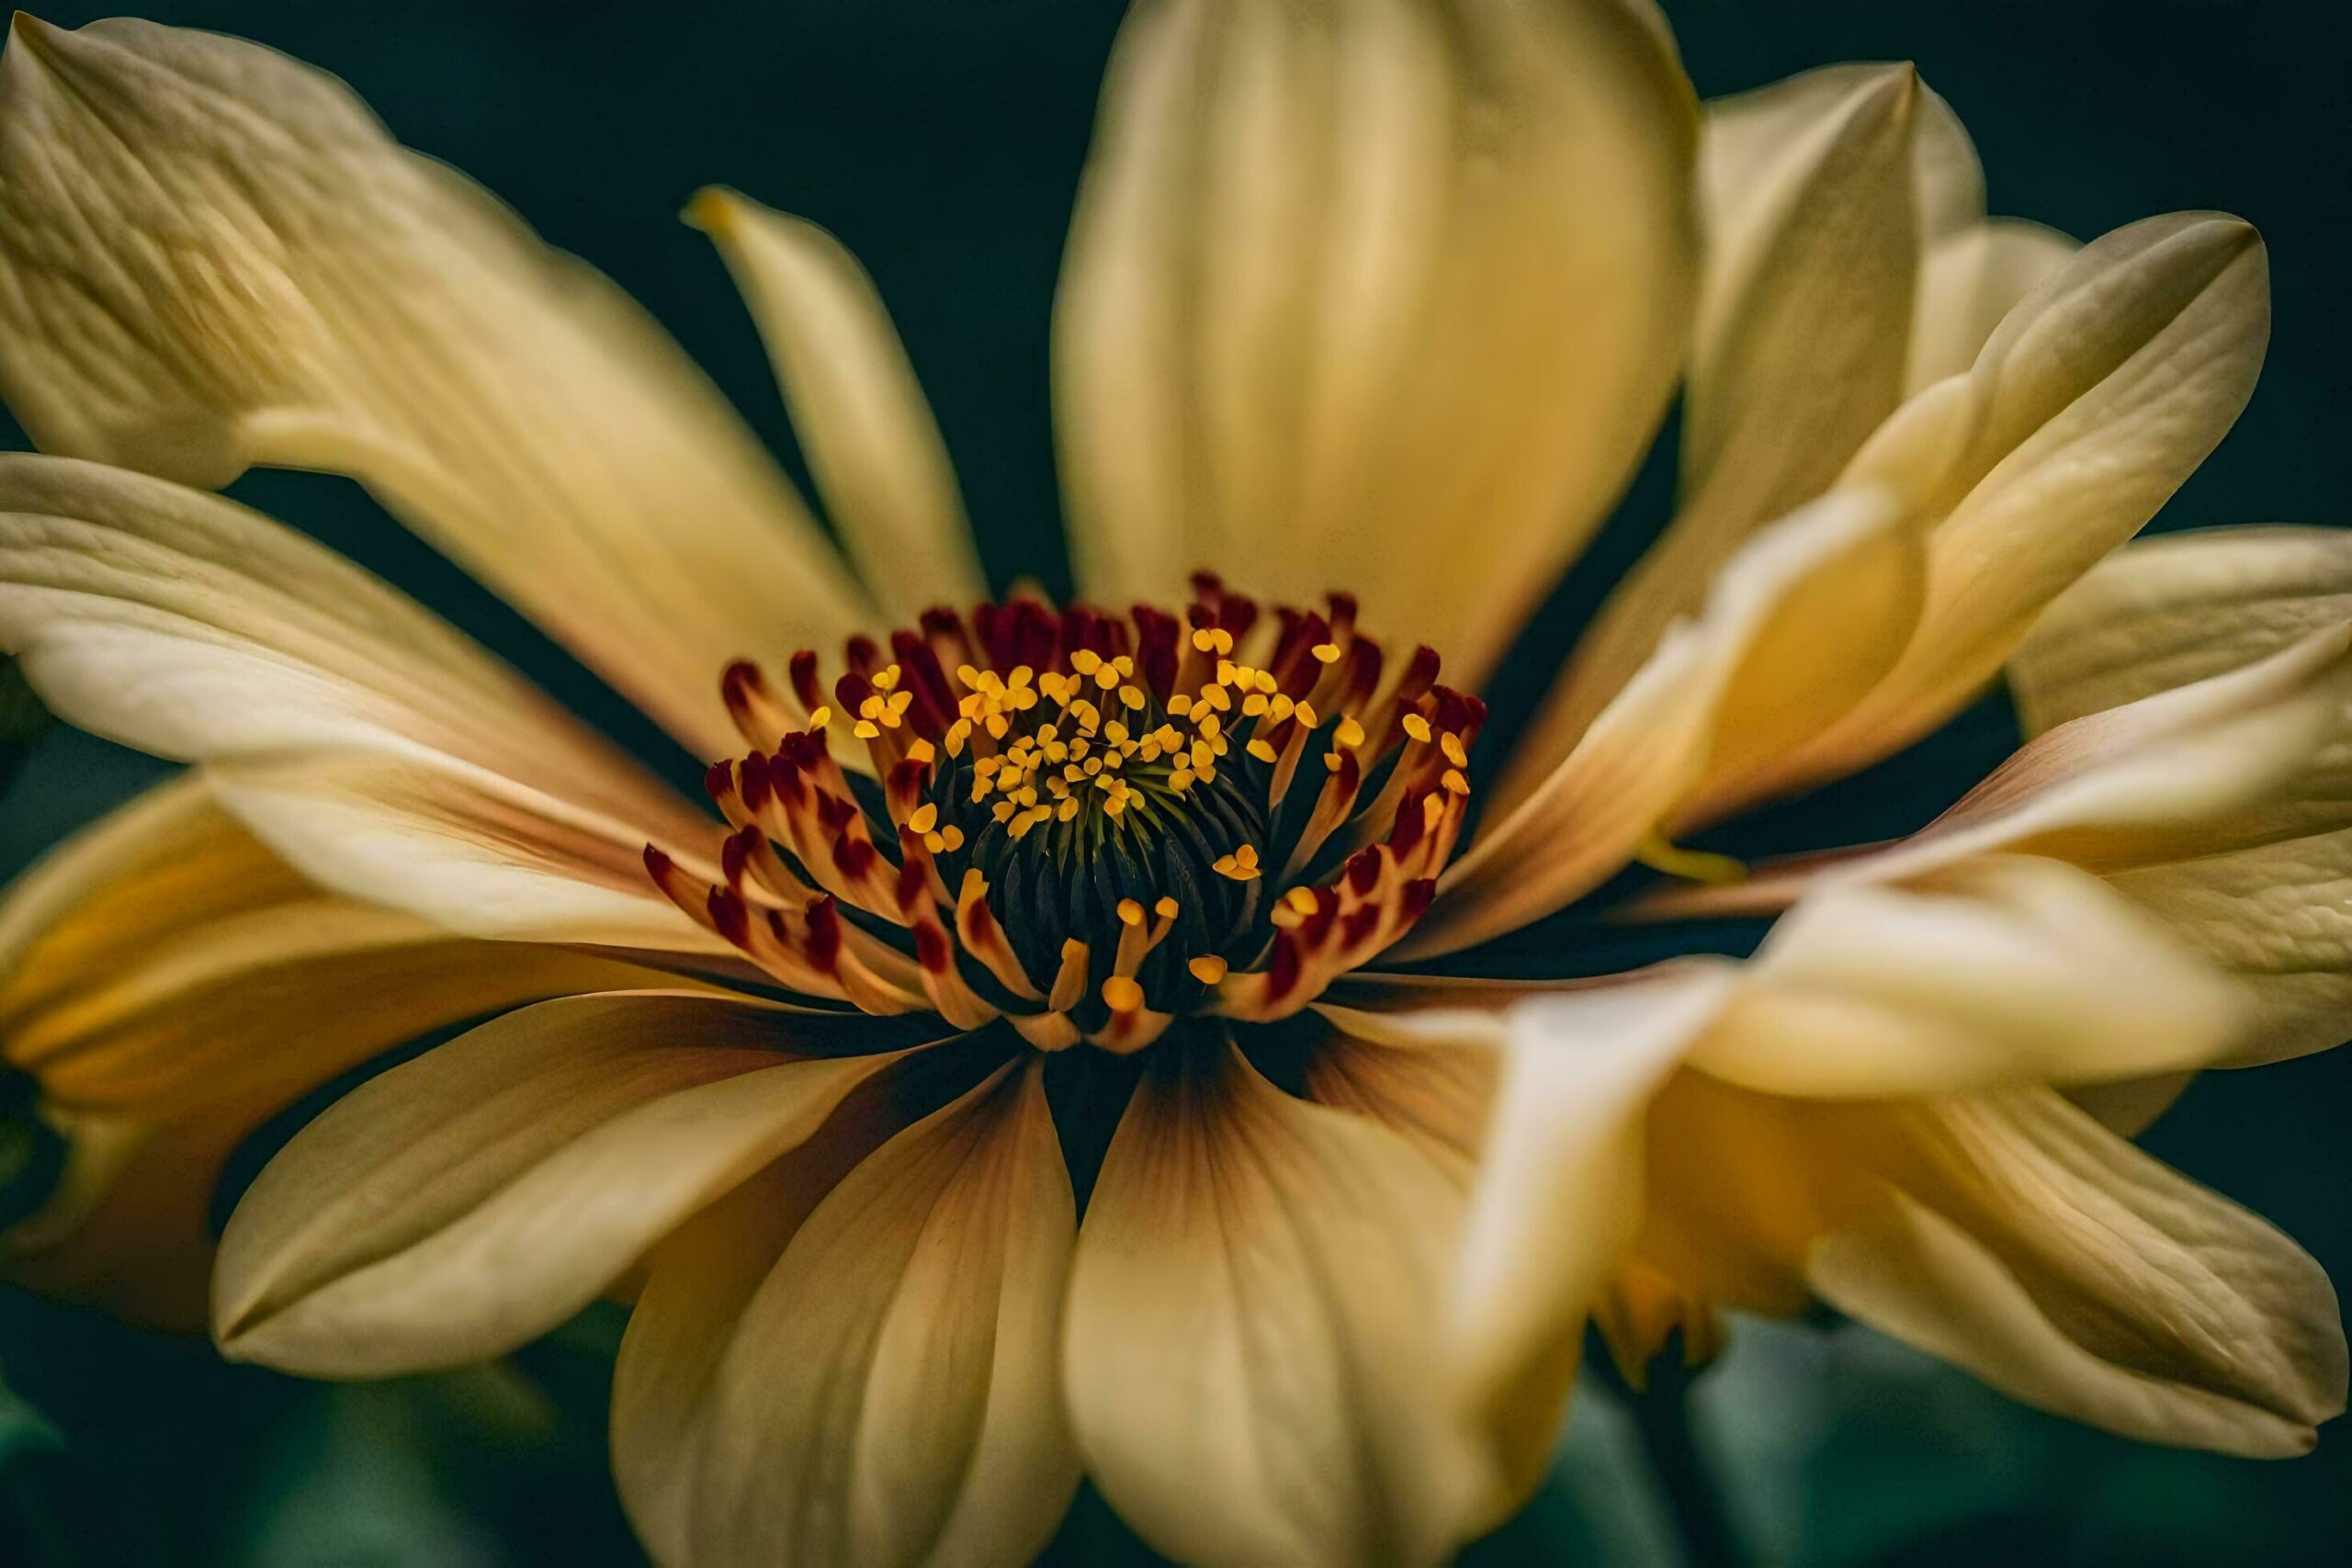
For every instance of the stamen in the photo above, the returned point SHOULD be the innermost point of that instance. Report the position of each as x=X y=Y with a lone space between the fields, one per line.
x=1086 y=823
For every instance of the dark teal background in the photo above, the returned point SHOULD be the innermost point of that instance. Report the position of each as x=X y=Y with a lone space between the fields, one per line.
x=941 y=142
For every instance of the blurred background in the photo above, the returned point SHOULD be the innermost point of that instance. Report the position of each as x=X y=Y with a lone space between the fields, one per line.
x=941 y=142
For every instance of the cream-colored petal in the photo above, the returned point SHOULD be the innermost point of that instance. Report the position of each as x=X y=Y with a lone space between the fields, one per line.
x=2004 y=969
x=185 y=624
x=1796 y=628
x=171 y=985
x=471 y=852
x=2097 y=395
x=891 y=1393
x=2053 y=1259
x=1969 y=280
x=1432 y=1087
x=698 y=1282
x=464 y=1202
x=216 y=257
x=2222 y=807
x=2166 y=611
x=871 y=444
x=1252 y=1323
x=1559 y=1196
x=2277 y=916
x=1818 y=193
x=1383 y=295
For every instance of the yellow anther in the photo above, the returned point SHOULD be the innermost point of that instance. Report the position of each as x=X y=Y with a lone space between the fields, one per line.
x=1253 y=705
x=1305 y=713
x=1122 y=993
x=1130 y=912
x=1350 y=733
x=1454 y=782
x=1131 y=696
x=1262 y=750
x=925 y=817
x=1451 y=744
x=952 y=837
x=1165 y=908
x=821 y=717
x=1086 y=661
x=1417 y=728
x=1208 y=969
x=1178 y=705
x=1327 y=652
x=921 y=752
x=887 y=677
x=1068 y=810
x=1301 y=898
x=865 y=729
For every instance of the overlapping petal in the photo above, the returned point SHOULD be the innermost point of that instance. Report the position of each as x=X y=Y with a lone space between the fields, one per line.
x=1816 y=194
x=1797 y=627
x=468 y=1200
x=2098 y=394
x=890 y=1390
x=216 y=257
x=171 y=985
x=1250 y=1314
x=340 y=720
x=1398 y=284
x=2022 y=1241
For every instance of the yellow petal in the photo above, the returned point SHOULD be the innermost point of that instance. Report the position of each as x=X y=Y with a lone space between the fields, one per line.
x=860 y=413
x=1818 y=193
x=698 y=1282
x=2223 y=808
x=1969 y=280
x=468 y=1200
x=2000 y=970
x=1253 y=1317
x=471 y=852
x=183 y=624
x=1798 y=626
x=891 y=1391
x=2098 y=394
x=172 y=985
x=216 y=257
x=1559 y=1196
x=2053 y=1259
x=2169 y=611
x=1313 y=326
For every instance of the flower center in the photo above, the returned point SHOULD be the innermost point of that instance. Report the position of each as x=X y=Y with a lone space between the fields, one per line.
x=1087 y=824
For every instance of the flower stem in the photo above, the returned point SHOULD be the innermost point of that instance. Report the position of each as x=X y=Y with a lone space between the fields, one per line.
x=1662 y=1412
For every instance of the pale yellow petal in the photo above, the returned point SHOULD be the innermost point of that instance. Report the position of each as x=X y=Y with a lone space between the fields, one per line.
x=171 y=985
x=698 y=1282
x=1252 y=1322
x=1969 y=280
x=468 y=1200
x=2223 y=808
x=472 y=852
x=183 y=624
x=871 y=444
x=1560 y=1190
x=217 y=257
x=891 y=1393
x=1797 y=627
x=2005 y=969
x=2053 y=1259
x=1380 y=296
x=2166 y=611
x=2097 y=395
x=1818 y=193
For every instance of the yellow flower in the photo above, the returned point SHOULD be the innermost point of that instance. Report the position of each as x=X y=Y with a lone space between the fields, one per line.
x=1016 y=901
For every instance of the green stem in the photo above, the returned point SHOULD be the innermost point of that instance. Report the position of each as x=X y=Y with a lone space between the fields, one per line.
x=1662 y=1412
